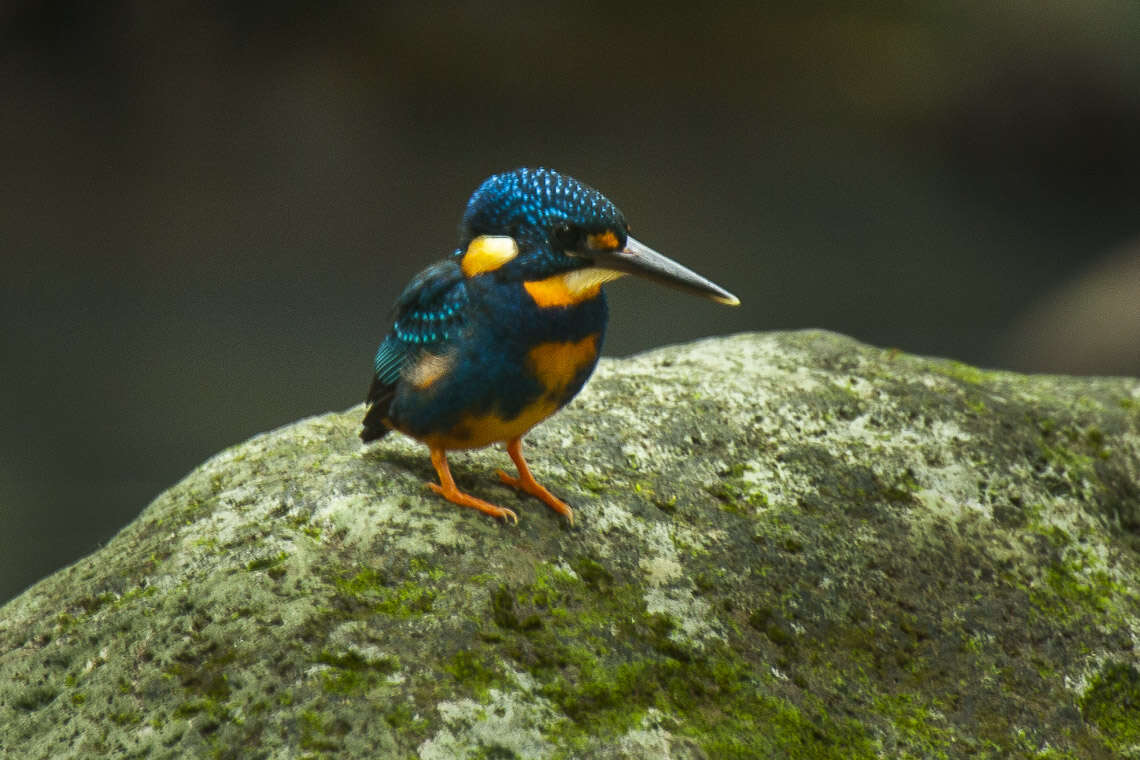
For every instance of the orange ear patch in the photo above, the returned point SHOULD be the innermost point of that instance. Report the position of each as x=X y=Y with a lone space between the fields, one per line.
x=487 y=253
x=603 y=241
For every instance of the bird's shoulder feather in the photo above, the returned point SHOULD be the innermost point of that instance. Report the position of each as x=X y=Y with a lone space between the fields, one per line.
x=428 y=314
x=430 y=309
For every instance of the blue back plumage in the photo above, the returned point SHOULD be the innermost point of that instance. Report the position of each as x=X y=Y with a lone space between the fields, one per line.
x=430 y=309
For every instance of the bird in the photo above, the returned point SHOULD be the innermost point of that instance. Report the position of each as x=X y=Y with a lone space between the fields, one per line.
x=492 y=340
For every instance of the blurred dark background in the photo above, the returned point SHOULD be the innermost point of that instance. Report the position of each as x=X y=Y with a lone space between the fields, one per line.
x=207 y=208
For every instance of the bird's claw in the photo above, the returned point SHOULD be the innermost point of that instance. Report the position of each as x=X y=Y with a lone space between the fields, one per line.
x=538 y=491
x=465 y=500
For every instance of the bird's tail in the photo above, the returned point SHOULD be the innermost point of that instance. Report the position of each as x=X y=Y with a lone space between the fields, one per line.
x=379 y=398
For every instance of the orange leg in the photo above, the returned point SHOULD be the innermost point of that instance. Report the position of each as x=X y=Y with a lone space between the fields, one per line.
x=526 y=482
x=449 y=491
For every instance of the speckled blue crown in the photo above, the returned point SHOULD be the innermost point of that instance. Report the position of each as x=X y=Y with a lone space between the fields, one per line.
x=536 y=199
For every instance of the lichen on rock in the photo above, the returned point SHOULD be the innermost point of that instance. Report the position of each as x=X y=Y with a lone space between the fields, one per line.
x=786 y=545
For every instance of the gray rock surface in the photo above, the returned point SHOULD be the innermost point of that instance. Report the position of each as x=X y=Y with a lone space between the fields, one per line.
x=787 y=545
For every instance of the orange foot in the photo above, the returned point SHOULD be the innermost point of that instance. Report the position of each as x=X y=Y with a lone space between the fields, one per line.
x=526 y=482
x=448 y=490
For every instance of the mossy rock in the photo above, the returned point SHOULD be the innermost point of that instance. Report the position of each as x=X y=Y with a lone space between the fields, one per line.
x=787 y=545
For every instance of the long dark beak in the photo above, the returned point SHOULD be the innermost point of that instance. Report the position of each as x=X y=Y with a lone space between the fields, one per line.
x=641 y=260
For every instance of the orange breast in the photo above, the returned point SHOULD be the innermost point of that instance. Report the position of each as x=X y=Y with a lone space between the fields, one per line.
x=557 y=364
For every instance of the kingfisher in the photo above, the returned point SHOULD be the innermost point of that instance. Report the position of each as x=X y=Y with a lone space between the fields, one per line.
x=491 y=341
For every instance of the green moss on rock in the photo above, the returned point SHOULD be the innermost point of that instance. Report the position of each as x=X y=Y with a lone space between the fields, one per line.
x=1112 y=703
x=811 y=549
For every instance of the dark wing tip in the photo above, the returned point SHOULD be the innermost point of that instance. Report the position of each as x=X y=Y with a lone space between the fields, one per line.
x=373 y=431
x=379 y=398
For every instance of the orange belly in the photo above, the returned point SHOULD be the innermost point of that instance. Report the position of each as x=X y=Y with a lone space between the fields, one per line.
x=556 y=365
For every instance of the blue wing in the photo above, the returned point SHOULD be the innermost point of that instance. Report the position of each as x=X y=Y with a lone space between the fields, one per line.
x=428 y=314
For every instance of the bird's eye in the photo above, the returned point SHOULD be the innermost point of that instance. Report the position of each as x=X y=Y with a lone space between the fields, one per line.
x=567 y=237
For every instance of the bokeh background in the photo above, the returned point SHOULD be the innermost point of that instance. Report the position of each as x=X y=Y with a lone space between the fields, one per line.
x=207 y=208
